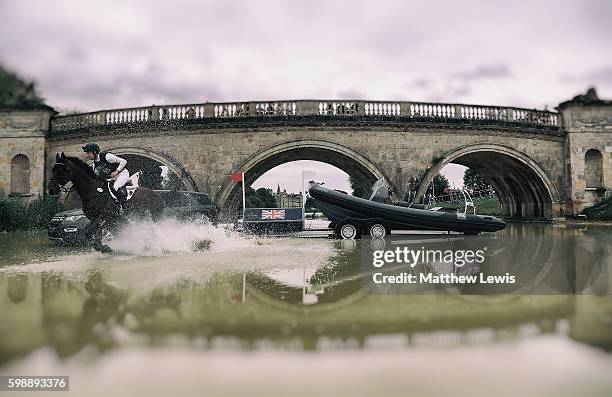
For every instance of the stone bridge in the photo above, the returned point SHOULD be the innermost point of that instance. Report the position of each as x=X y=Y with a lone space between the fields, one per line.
x=542 y=164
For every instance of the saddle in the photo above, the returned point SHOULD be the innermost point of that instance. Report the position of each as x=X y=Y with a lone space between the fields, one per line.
x=122 y=189
x=128 y=189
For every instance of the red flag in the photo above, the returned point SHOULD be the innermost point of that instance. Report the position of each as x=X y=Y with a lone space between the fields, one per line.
x=237 y=176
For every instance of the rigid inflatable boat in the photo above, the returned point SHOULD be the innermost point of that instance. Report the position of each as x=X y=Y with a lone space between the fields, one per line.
x=350 y=215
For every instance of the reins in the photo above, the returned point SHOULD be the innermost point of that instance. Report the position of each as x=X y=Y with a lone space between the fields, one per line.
x=63 y=187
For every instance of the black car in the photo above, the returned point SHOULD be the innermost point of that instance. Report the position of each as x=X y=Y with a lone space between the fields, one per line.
x=71 y=227
x=186 y=205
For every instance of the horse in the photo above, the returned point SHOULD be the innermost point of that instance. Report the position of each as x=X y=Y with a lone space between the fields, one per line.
x=98 y=205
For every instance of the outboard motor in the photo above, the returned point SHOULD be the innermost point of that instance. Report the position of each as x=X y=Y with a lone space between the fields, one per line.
x=313 y=183
x=380 y=191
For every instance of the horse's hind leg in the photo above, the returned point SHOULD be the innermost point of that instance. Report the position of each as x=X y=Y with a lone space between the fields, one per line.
x=145 y=201
x=157 y=210
x=157 y=213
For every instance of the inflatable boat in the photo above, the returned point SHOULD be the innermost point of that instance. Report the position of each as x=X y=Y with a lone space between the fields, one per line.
x=351 y=216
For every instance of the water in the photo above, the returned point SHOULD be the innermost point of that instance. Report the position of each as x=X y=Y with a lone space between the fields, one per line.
x=194 y=309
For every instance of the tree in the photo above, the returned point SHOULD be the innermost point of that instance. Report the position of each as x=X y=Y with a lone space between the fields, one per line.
x=474 y=181
x=357 y=187
x=260 y=198
x=18 y=94
x=440 y=183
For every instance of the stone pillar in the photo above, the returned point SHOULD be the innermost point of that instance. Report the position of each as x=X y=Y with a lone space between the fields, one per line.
x=23 y=133
x=209 y=109
x=587 y=121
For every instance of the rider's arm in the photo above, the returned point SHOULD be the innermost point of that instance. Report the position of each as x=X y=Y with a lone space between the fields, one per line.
x=111 y=158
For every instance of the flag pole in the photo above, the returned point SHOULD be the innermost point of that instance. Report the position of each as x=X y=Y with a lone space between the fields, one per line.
x=243 y=196
x=303 y=203
x=305 y=174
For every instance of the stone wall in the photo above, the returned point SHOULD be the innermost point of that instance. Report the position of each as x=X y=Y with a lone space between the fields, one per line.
x=588 y=127
x=23 y=132
x=397 y=153
x=204 y=155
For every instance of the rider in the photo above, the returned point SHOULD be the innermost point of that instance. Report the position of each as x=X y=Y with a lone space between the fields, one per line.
x=110 y=167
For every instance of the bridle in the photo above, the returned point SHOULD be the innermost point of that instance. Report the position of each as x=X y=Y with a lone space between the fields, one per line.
x=62 y=188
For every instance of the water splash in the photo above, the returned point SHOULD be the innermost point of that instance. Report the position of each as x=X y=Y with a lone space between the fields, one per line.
x=171 y=236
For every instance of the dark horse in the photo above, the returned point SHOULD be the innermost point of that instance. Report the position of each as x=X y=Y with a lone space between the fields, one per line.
x=98 y=206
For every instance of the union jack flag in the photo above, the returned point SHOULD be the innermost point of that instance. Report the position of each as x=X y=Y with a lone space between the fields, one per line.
x=272 y=214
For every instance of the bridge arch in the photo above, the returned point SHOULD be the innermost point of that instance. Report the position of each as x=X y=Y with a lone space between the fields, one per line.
x=523 y=187
x=161 y=158
x=349 y=160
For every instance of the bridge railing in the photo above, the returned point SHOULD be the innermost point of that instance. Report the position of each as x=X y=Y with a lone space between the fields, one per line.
x=418 y=111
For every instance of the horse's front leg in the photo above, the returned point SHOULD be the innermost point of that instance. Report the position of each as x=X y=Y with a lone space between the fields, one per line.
x=99 y=224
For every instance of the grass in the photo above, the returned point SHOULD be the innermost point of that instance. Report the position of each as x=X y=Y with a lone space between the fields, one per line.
x=484 y=206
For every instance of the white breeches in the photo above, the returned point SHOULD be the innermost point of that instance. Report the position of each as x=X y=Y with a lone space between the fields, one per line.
x=121 y=179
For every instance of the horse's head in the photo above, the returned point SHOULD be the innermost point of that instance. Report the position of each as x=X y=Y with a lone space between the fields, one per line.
x=60 y=175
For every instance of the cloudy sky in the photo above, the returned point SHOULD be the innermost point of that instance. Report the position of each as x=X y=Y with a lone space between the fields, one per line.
x=92 y=55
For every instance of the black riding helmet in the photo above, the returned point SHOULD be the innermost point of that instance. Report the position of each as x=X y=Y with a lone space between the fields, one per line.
x=91 y=147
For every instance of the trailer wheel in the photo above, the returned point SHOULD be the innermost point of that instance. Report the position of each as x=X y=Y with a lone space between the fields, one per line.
x=378 y=230
x=347 y=230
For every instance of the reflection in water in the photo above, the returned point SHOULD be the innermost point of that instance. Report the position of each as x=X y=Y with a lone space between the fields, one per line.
x=17 y=287
x=302 y=293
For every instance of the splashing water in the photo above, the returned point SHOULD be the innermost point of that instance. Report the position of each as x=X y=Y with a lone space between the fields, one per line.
x=151 y=254
x=171 y=236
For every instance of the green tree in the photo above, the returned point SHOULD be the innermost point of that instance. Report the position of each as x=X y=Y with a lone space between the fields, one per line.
x=440 y=183
x=358 y=189
x=260 y=198
x=474 y=181
x=16 y=93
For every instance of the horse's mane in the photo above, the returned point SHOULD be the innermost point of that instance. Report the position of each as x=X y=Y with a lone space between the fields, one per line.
x=82 y=165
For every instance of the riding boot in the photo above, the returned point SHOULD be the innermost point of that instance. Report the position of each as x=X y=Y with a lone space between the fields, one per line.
x=122 y=197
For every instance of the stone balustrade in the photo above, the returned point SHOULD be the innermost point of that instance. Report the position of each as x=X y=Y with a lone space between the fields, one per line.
x=358 y=109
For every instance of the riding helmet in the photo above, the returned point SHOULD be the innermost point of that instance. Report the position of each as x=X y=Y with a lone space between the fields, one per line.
x=91 y=147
